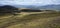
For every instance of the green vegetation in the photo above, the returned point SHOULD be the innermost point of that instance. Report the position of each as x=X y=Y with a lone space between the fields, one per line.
x=42 y=20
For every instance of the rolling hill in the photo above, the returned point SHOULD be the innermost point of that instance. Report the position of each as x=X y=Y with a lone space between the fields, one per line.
x=51 y=7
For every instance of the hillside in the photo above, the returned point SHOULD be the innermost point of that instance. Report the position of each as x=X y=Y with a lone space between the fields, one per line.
x=37 y=20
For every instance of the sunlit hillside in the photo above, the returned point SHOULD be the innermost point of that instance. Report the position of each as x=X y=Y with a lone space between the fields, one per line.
x=33 y=20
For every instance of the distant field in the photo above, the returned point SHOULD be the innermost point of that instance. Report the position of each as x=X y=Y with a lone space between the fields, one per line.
x=36 y=20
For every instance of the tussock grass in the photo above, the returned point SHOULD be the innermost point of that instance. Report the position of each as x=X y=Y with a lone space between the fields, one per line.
x=43 y=20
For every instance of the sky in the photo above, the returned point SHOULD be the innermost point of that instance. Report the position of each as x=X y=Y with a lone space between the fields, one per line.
x=29 y=2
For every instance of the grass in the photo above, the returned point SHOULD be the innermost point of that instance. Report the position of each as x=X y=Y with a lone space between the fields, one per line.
x=43 y=20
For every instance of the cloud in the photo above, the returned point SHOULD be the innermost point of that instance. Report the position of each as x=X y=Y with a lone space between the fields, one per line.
x=29 y=2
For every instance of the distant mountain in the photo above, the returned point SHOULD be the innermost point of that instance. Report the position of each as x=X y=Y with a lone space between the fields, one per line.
x=52 y=7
